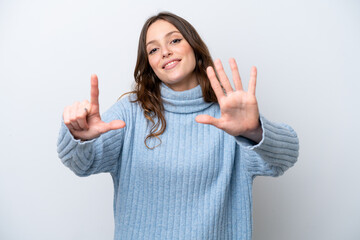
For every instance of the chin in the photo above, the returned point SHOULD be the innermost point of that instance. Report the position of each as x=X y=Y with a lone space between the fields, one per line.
x=173 y=80
x=177 y=79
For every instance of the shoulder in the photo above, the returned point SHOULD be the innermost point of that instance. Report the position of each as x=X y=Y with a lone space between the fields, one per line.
x=124 y=107
x=127 y=100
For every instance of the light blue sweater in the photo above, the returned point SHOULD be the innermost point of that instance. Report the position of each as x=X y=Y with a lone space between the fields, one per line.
x=196 y=185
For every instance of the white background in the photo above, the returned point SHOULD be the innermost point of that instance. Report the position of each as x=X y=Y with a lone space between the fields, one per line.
x=307 y=54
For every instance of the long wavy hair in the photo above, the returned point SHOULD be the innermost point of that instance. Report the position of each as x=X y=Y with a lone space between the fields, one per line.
x=147 y=84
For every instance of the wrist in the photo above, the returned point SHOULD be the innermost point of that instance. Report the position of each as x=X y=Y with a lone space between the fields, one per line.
x=255 y=134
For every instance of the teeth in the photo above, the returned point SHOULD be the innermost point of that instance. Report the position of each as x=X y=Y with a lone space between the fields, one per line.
x=170 y=63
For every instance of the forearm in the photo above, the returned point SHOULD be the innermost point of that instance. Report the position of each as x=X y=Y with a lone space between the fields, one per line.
x=275 y=153
x=89 y=157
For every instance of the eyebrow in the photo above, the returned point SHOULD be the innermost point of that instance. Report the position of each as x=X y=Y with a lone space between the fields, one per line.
x=168 y=34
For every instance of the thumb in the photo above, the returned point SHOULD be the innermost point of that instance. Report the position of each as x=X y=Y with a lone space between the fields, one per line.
x=206 y=119
x=116 y=124
x=113 y=125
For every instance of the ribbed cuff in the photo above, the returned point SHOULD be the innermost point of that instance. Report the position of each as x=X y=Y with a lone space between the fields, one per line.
x=66 y=141
x=245 y=142
x=277 y=151
x=74 y=153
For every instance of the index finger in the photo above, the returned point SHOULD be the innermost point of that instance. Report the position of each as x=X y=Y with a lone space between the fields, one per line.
x=214 y=82
x=94 y=90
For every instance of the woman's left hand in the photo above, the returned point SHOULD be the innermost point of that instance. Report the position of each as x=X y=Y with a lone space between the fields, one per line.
x=239 y=109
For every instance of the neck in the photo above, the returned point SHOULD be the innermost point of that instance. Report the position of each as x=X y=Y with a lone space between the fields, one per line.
x=188 y=101
x=184 y=84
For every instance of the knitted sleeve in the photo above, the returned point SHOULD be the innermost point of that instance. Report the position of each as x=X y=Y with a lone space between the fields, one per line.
x=94 y=156
x=277 y=151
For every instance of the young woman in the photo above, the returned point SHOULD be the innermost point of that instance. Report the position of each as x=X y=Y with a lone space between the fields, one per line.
x=184 y=147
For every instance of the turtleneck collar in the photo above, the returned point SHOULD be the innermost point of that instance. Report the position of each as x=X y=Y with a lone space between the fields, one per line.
x=187 y=101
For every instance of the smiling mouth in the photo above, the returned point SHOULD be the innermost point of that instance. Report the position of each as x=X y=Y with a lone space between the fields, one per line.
x=171 y=64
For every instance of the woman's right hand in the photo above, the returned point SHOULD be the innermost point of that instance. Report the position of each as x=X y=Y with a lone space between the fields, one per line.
x=83 y=119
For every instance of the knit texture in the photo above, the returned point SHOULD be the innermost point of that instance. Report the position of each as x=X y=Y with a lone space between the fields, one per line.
x=197 y=184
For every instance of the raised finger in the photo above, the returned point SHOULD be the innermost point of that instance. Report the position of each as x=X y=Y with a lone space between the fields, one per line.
x=252 y=83
x=94 y=90
x=214 y=83
x=235 y=74
x=222 y=75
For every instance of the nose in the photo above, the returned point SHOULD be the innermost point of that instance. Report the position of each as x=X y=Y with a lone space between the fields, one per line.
x=166 y=52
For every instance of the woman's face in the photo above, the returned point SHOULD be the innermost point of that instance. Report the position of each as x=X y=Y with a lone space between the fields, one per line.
x=171 y=56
